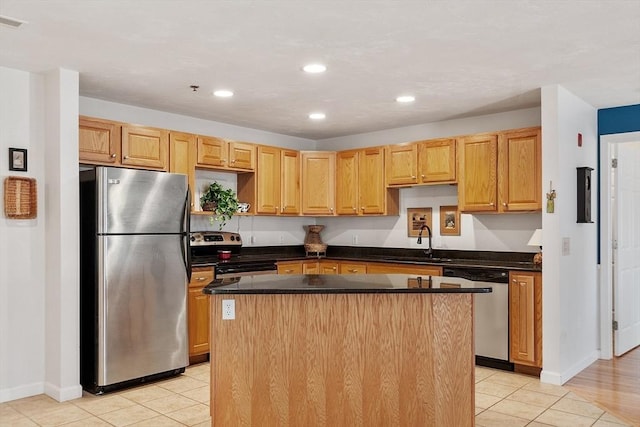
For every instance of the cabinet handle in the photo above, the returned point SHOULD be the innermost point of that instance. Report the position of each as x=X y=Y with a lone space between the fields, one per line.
x=492 y=204
x=126 y=157
x=362 y=208
x=113 y=155
x=334 y=268
x=354 y=209
x=504 y=204
x=422 y=176
x=353 y=270
x=288 y=271
x=514 y=280
x=331 y=210
x=200 y=279
x=223 y=161
x=413 y=177
x=233 y=161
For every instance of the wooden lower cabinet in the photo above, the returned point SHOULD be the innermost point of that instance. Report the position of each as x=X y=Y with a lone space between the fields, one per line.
x=390 y=268
x=525 y=318
x=198 y=312
x=290 y=267
x=352 y=268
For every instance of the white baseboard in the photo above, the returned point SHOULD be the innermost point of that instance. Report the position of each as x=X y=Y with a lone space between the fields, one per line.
x=19 y=392
x=63 y=394
x=559 y=378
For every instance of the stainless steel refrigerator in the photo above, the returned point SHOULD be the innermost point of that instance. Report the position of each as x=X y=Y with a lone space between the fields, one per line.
x=134 y=268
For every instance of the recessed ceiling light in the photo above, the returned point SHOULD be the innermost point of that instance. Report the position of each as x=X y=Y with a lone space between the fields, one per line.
x=12 y=22
x=223 y=93
x=317 y=116
x=406 y=98
x=314 y=68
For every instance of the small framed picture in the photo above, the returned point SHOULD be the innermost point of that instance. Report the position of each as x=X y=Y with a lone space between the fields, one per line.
x=449 y=221
x=18 y=159
x=416 y=219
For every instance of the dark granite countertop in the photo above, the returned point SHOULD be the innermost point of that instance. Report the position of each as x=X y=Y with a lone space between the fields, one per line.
x=446 y=258
x=331 y=284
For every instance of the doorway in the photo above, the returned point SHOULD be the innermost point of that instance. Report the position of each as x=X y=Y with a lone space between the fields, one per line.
x=619 y=277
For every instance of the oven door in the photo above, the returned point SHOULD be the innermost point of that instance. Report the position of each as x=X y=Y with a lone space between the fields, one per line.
x=245 y=269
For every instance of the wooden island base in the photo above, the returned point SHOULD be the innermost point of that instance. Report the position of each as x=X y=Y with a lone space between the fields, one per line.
x=343 y=359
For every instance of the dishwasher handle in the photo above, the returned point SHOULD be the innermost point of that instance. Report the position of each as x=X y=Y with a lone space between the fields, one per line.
x=477 y=274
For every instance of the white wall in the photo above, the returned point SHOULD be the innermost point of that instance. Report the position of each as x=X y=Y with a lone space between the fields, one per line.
x=570 y=287
x=22 y=250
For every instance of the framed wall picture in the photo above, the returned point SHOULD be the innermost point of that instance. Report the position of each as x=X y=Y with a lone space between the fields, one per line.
x=416 y=218
x=449 y=221
x=18 y=159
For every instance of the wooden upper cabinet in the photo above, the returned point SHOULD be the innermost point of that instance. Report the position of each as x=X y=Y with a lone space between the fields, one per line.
x=145 y=147
x=290 y=182
x=347 y=184
x=402 y=164
x=223 y=154
x=477 y=184
x=525 y=318
x=437 y=161
x=268 y=180
x=99 y=141
x=501 y=172
x=318 y=182
x=371 y=178
x=182 y=157
x=520 y=170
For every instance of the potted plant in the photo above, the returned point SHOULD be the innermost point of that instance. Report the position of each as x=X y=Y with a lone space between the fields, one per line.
x=222 y=202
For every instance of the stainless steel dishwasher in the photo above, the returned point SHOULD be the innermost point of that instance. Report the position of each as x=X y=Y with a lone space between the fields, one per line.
x=491 y=314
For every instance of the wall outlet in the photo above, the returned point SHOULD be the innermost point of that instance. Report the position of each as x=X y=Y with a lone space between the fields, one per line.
x=566 y=246
x=228 y=309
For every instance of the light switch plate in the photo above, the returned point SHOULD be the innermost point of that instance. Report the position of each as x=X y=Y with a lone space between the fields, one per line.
x=566 y=246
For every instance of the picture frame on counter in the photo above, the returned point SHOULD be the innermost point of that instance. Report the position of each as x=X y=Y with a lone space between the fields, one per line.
x=18 y=159
x=416 y=219
x=449 y=220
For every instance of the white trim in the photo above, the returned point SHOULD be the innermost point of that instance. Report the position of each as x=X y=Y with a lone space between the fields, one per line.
x=559 y=378
x=21 y=391
x=63 y=394
x=606 y=287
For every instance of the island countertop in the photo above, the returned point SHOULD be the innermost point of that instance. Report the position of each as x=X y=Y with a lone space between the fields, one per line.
x=336 y=284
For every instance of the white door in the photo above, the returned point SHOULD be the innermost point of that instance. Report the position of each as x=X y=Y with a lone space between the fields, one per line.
x=626 y=252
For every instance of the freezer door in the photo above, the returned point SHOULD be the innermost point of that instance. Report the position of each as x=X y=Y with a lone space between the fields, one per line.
x=142 y=326
x=140 y=202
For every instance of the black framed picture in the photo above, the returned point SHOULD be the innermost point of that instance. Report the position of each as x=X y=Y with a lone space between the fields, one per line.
x=18 y=159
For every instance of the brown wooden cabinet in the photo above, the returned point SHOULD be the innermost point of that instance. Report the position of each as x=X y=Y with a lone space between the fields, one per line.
x=220 y=153
x=198 y=311
x=318 y=182
x=360 y=184
x=349 y=267
x=501 y=172
x=99 y=141
x=402 y=164
x=182 y=158
x=525 y=318
x=289 y=267
x=145 y=147
x=437 y=162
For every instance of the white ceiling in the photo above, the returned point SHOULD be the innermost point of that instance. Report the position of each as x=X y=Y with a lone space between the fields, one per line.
x=459 y=58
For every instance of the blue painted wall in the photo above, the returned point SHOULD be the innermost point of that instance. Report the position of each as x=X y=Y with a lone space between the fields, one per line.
x=610 y=121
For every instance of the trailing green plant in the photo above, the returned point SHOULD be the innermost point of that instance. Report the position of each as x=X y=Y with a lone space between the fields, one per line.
x=222 y=202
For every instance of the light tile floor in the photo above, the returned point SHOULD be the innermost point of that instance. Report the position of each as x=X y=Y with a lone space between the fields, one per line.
x=502 y=399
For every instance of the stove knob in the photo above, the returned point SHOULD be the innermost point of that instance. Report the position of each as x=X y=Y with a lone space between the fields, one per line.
x=193 y=238
x=233 y=238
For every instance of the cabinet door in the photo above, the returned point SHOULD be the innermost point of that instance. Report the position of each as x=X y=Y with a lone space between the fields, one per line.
x=290 y=267
x=198 y=312
x=520 y=171
x=402 y=164
x=390 y=268
x=268 y=180
x=290 y=182
x=212 y=151
x=353 y=268
x=478 y=185
x=318 y=182
x=99 y=141
x=145 y=147
x=437 y=161
x=182 y=157
x=525 y=318
x=372 y=187
x=347 y=182
x=242 y=155
x=328 y=267
x=310 y=267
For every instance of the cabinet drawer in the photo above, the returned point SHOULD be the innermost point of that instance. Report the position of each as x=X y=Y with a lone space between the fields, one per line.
x=353 y=268
x=201 y=277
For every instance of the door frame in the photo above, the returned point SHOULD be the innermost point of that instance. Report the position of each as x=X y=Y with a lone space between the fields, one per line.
x=606 y=250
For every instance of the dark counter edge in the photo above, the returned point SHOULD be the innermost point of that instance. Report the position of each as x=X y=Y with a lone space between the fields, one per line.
x=213 y=289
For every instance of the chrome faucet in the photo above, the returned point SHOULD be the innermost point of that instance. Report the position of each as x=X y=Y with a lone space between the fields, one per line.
x=429 y=251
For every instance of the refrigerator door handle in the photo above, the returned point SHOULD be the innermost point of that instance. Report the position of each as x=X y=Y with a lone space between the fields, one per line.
x=184 y=242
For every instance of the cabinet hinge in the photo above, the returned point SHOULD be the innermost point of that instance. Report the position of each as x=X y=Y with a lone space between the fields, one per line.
x=614 y=163
x=615 y=325
x=615 y=244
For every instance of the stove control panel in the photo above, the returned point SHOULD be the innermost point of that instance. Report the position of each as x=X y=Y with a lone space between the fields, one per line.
x=215 y=238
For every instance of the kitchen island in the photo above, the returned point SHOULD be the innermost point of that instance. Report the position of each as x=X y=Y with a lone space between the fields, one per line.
x=343 y=350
